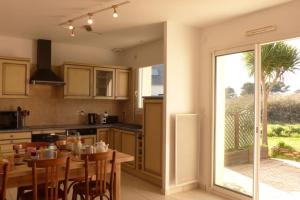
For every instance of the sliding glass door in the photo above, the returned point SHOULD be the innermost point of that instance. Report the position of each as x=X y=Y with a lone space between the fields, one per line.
x=236 y=116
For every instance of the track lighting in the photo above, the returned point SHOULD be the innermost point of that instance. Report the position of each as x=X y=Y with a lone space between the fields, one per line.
x=115 y=14
x=73 y=32
x=90 y=20
x=69 y=23
x=71 y=27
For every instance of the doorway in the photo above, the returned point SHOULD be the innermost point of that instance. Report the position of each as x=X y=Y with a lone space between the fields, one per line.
x=256 y=91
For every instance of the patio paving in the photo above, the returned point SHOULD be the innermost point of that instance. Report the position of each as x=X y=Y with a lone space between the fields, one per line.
x=280 y=179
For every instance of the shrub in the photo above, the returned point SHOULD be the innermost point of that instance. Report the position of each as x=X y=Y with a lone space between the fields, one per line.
x=278 y=131
x=277 y=150
x=284 y=130
x=284 y=109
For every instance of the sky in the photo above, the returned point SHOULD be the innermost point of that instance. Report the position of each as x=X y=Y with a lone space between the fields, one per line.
x=235 y=73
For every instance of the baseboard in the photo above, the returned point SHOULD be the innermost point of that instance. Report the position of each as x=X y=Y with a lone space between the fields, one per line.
x=182 y=188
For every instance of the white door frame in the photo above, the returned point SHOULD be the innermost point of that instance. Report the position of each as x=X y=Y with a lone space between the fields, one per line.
x=218 y=189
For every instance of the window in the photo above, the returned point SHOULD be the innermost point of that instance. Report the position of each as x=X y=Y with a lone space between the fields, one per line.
x=150 y=82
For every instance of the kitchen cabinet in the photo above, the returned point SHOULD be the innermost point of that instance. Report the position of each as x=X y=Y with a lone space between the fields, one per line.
x=128 y=145
x=8 y=140
x=103 y=134
x=88 y=81
x=14 y=74
x=153 y=134
x=104 y=83
x=122 y=84
x=117 y=139
x=78 y=79
x=89 y=139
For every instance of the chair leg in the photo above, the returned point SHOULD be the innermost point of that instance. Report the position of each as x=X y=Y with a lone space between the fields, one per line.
x=110 y=195
x=74 y=195
x=19 y=193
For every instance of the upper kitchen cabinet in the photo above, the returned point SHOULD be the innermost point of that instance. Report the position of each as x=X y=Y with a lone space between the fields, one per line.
x=104 y=83
x=14 y=75
x=78 y=79
x=122 y=84
x=87 y=81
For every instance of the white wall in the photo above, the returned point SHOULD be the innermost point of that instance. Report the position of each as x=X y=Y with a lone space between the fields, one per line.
x=26 y=48
x=182 y=72
x=143 y=55
x=232 y=34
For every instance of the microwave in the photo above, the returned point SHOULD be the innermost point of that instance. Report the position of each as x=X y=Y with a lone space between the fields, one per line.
x=9 y=120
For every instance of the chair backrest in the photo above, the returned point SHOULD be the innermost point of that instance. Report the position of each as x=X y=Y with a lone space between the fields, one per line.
x=3 y=177
x=52 y=168
x=25 y=145
x=100 y=162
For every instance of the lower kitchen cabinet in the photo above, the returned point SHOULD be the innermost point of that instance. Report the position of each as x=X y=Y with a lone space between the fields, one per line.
x=117 y=139
x=153 y=134
x=129 y=145
x=8 y=140
x=103 y=134
x=89 y=139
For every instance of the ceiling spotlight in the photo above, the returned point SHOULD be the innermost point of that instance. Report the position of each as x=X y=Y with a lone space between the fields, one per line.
x=115 y=14
x=71 y=27
x=90 y=20
x=73 y=32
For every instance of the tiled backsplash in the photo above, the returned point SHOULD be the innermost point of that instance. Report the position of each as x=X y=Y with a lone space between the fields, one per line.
x=47 y=106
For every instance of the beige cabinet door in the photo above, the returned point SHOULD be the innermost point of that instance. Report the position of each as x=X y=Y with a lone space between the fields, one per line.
x=78 y=81
x=153 y=119
x=111 y=139
x=122 y=84
x=117 y=140
x=15 y=78
x=129 y=145
x=103 y=134
x=89 y=139
x=104 y=85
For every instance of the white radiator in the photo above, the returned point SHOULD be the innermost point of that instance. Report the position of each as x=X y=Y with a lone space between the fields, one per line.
x=187 y=142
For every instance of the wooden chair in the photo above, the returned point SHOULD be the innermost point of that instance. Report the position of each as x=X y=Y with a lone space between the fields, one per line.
x=3 y=177
x=23 y=146
x=50 y=189
x=90 y=189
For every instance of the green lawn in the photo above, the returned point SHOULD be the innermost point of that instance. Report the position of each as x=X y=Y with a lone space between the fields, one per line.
x=291 y=141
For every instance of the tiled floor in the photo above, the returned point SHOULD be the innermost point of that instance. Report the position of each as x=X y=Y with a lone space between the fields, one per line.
x=136 y=189
x=280 y=179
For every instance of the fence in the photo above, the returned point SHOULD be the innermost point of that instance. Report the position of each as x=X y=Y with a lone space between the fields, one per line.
x=239 y=130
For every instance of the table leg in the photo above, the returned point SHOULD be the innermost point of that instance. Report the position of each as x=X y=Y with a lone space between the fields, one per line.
x=117 y=183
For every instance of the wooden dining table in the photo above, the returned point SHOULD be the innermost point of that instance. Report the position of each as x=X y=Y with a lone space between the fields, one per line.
x=21 y=175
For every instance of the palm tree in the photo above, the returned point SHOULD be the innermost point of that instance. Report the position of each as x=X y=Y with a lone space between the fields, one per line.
x=276 y=59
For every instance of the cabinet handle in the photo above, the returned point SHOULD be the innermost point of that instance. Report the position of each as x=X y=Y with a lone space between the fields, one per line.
x=11 y=136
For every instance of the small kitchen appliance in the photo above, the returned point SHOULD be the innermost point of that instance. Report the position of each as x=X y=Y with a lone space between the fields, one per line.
x=9 y=120
x=92 y=118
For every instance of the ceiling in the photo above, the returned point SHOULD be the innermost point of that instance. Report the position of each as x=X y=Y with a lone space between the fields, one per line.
x=138 y=21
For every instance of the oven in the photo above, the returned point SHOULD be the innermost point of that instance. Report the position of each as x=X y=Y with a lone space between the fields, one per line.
x=9 y=120
x=50 y=136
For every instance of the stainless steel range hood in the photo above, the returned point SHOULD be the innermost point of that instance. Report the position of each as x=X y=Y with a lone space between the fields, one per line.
x=44 y=73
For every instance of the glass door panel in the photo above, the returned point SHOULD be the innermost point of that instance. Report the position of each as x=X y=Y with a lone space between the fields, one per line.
x=104 y=82
x=234 y=121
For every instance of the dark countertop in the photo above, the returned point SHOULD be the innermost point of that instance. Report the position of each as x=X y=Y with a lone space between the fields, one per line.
x=154 y=97
x=122 y=126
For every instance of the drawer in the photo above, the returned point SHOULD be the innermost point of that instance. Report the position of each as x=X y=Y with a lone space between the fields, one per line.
x=7 y=148
x=7 y=145
x=18 y=135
